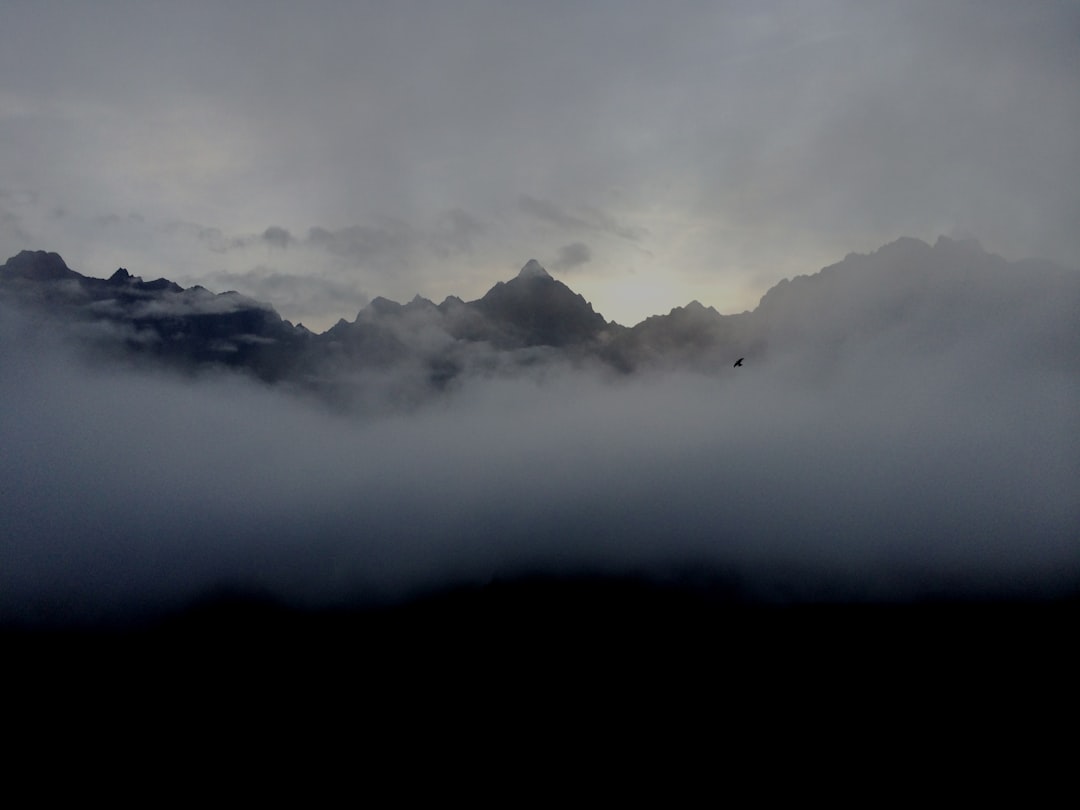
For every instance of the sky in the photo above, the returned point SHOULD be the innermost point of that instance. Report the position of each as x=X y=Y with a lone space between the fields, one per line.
x=318 y=155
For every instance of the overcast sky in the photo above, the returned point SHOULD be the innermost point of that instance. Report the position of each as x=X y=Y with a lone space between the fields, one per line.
x=317 y=155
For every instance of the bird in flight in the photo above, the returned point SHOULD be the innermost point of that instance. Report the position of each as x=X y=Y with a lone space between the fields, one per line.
x=738 y=362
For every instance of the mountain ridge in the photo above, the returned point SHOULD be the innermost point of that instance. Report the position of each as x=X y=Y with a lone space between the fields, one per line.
x=533 y=318
x=41 y=265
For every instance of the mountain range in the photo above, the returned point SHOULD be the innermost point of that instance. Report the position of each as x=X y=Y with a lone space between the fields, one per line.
x=419 y=348
x=904 y=426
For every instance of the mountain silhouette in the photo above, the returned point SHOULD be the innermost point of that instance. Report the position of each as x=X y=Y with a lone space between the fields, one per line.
x=534 y=309
x=906 y=286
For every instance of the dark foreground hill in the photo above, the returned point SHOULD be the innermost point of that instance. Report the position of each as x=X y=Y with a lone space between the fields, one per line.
x=623 y=663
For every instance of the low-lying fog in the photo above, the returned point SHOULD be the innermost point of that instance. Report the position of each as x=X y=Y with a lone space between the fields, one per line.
x=893 y=468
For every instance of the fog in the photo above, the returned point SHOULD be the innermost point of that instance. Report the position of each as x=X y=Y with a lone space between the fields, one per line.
x=935 y=458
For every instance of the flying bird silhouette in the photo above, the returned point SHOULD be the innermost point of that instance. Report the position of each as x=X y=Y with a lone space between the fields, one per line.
x=738 y=362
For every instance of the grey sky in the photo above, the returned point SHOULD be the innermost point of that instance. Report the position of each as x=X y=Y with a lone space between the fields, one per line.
x=654 y=152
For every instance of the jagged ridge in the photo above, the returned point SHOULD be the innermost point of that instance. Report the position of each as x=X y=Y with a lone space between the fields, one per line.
x=534 y=317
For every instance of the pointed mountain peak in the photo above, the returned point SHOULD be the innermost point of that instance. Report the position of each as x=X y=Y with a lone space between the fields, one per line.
x=533 y=269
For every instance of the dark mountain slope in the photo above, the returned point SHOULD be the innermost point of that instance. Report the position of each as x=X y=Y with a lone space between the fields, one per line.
x=693 y=336
x=920 y=299
x=534 y=309
x=156 y=320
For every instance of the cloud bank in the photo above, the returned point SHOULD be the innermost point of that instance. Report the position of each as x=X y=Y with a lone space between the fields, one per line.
x=937 y=456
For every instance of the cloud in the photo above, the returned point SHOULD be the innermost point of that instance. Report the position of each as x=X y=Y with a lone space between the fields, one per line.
x=573 y=255
x=194 y=301
x=455 y=232
x=304 y=296
x=277 y=237
x=11 y=230
x=214 y=238
x=358 y=244
x=606 y=223
x=593 y=220
x=547 y=211
x=363 y=243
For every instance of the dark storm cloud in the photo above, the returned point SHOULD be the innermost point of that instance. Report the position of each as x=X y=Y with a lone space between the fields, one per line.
x=887 y=452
